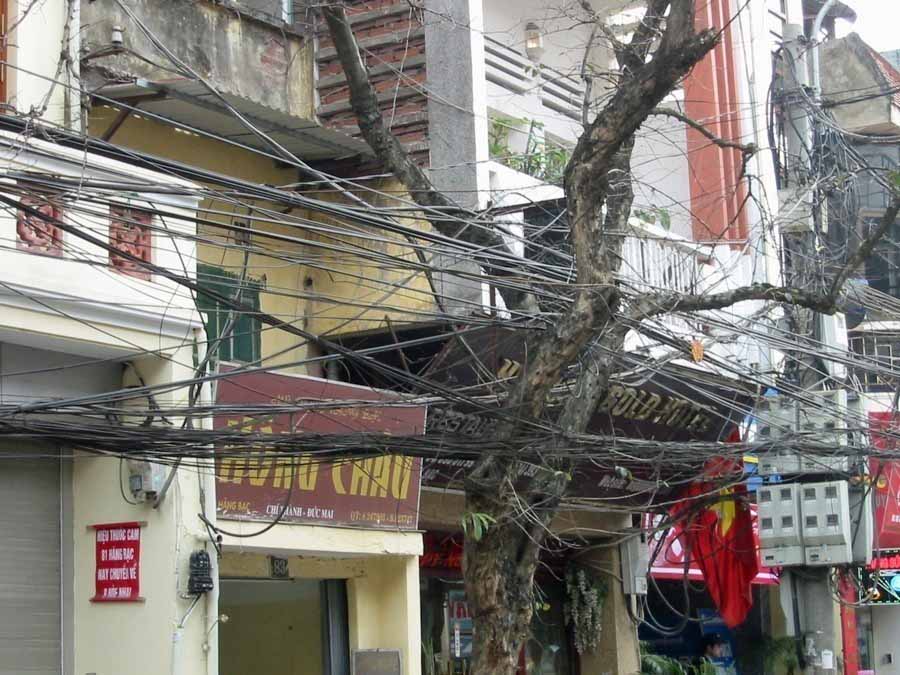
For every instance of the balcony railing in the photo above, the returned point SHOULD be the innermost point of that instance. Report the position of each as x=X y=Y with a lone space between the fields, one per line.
x=653 y=259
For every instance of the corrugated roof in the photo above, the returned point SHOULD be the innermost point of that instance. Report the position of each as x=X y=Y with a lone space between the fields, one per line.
x=189 y=103
x=890 y=74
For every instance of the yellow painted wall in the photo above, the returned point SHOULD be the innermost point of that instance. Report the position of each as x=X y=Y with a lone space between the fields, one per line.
x=384 y=609
x=134 y=638
x=382 y=594
x=340 y=293
x=282 y=637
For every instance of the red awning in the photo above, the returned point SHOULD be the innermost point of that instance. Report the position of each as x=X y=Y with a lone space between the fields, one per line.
x=669 y=562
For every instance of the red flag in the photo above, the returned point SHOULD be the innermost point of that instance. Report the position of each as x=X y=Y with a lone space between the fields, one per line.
x=719 y=539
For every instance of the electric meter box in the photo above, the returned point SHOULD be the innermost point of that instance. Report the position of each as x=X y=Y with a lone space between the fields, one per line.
x=777 y=418
x=635 y=556
x=778 y=518
x=145 y=479
x=825 y=518
x=862 y=524
x=819 y=418
x=778 y=463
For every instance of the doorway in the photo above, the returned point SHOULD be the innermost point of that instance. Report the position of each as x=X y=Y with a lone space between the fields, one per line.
x=283 y=627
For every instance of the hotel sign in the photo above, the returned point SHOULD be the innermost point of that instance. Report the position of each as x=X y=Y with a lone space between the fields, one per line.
x=377 y=492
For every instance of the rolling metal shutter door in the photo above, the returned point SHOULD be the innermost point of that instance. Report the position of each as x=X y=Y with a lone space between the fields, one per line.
x=29 y=564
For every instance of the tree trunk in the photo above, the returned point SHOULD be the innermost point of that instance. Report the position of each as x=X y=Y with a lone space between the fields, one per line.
x=499 y=572
x=500 y=564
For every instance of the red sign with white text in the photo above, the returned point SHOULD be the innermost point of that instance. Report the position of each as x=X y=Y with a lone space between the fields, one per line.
x=118 y=571
x=886 y=474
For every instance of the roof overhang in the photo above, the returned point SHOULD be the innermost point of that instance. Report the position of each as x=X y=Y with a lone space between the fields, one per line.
x=190 y=105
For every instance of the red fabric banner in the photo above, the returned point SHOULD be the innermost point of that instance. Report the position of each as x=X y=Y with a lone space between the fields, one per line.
x=719 y=538
x=669 y=561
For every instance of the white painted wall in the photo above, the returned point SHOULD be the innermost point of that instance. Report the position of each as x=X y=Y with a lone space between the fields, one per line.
x=34 y=51
x=28 y=375
x=661 y=174
x=77 y=303
x=566 y=33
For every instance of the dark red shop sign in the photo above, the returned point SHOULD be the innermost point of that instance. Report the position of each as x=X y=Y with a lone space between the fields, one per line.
x=377 y=492
x=118 y=562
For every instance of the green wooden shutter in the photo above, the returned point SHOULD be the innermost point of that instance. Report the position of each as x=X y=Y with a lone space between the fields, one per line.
x=244 y=343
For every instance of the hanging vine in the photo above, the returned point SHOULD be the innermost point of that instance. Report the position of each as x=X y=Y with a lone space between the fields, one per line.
x=585 y=595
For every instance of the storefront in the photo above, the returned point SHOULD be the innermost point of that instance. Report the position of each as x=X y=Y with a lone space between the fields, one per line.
x=681 y=619
x=320 y=558
x=447 y=623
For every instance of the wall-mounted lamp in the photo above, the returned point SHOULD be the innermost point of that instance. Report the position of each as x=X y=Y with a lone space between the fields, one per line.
x=534 y=42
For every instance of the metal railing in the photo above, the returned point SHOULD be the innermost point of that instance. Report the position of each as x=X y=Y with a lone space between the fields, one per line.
x=511 y=69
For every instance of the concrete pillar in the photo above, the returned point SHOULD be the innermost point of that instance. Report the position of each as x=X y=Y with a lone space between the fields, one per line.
x=457 y=131
x=618 y=652
x=383 y=609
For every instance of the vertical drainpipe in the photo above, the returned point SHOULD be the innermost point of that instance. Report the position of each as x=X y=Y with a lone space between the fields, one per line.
x=75 y=119
x=208 y=482
x=817 y=28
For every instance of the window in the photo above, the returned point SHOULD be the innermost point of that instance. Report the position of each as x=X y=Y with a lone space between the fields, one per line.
x=129 y=232
x=883 y=268
x=244 y=342
x=35 y=234
x=281 y=11
x=877 y=369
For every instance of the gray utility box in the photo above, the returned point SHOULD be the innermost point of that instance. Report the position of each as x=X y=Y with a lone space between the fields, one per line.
x=635 y=555
x=825 y=514
x=819 y=422
x=780 y=532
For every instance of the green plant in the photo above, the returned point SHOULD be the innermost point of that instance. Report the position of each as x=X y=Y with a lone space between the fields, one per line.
x=776 y=653
x=585 y=595
x=541 y=159
x=657 y=664
x=653 y=214
x=477 y=524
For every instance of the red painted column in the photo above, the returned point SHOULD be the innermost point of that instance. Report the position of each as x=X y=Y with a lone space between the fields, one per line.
x=848 y=628
x=710 y=97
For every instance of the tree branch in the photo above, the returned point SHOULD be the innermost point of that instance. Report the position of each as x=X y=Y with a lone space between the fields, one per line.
x=745 y=149
x=867 y=246
x=587 y=184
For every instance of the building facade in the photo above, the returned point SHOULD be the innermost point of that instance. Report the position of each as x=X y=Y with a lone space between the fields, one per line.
x=218 y=121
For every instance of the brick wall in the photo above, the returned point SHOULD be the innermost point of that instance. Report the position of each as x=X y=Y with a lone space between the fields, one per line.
x=392 y=43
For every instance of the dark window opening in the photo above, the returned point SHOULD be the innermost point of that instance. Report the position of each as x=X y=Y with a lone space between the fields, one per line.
x=407 y=350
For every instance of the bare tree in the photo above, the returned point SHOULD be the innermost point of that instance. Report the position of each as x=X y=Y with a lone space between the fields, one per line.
x=500 y=563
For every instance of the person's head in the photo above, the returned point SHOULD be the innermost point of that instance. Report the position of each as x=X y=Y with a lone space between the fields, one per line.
x=713 y=647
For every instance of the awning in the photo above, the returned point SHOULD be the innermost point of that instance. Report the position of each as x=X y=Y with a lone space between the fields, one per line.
x=669 y=561
x=190 y=103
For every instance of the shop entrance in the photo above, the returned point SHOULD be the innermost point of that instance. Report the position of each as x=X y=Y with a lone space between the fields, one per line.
x=283 y=627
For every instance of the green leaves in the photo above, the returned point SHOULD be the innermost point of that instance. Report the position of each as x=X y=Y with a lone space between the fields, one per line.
x=542 y=159
x=476 y=524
